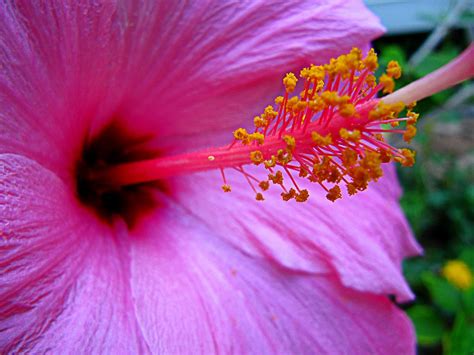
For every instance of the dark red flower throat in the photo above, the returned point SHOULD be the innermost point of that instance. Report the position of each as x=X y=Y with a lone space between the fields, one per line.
x=115 y=145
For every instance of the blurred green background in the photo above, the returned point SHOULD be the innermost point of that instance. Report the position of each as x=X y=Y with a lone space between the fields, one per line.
x=439 y=190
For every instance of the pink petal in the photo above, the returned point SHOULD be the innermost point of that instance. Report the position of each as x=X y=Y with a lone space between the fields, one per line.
x=195 y=293
x=362 y=238
x=56 y=69
x=221 y=60
x=64 y=276
x=163 y=67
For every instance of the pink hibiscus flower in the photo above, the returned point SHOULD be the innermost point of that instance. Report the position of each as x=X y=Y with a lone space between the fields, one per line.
x=178 y=266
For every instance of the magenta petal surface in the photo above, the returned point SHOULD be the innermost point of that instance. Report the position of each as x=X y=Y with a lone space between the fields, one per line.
x=195 y=293
x=167 y=67
x=206 y=272
x=363 y=238
x=64 y=280
x=223 y=61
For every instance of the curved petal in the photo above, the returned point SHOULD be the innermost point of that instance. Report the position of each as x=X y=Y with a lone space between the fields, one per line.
x=362 y=238
x=64 y=277
x=168 y=68
x=195 y=293
x=221 y=60
x=56 y=70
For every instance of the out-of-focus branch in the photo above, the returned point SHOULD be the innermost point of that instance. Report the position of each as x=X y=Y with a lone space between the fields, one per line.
x=439 y=33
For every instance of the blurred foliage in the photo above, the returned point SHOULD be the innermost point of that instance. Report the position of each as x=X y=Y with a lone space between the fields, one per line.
x=439 y=203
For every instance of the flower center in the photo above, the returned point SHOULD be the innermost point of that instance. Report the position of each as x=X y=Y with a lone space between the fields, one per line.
x=114 y=146
x=329 y=134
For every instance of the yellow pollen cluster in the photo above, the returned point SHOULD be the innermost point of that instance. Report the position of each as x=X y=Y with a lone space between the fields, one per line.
x=256 y=157
x=290 y=81
x=242 y=135
x=321 y=140
x=371 y=61
x=290 y=142
x=331 y=133
x=394 y=71
x=353 y=136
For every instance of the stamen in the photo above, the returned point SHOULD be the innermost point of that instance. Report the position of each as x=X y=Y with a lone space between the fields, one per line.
x=329 y=134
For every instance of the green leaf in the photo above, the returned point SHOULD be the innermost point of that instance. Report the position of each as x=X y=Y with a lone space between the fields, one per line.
x=442 y=293
x=435 y=60
x=461 y=341
x=468 y=257
x=429 y=327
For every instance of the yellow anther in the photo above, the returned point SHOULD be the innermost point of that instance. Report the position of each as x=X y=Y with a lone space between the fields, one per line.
x=323 y=170
x=341 y=67
x=371 y=162
x=226 y=188
x=211 y=158
x=259 y=121
x=351 y=136
x=304 y=73
x=371 y=61
x=292 y=102
x=457 y=273
x=344 y=99
x=259 y=196
x=257 y=137
x=360 y=177
x=370 y=80
x=289 y=82
x=302 y=196
x=408 y=157
x=256 y=157
x=303 y=172
x=379 y=137
x=240 y=134
x=353 y=58
x=334 y=193
x=319 y=85
x=387 y=83
x=394 y=70
x=313 y=73
x=410 y=132
x=270 y=163
x=412 y=117
x=349 y=157
x=321 y=140
x=347 y=110
x=385 y=156
x=276 y=178
x=300 y=106
x=385 y=111
x=290 y=142
x=283 y=157
x=317 y=104
x=270 y=112
x=286 y=196
x=264 y=185
x=330 y=68
x=396 y=107
x=351 y=189
x=334 y=175
x=331 y=98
